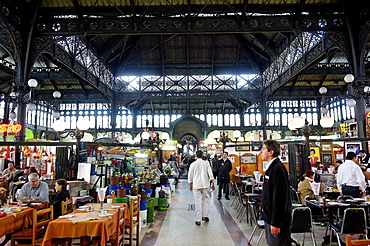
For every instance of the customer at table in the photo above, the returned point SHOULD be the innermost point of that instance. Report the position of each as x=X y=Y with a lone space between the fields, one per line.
x=364 y=158
x=304 y=185
x=8 y=171
x=276 y=198
x=350 y=179
x=61 y=194
x=35 y=190
x=224 y=169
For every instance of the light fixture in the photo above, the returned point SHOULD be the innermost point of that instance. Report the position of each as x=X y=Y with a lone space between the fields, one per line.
x=57 y=94
x=224 y=138
x=349 y=78
x=32 y=83
x=12 y=115
x=31 y=106
x=56 y=114
x=151 y=137
x=327 y=122
x=298 y=122
x=351 y=102
x=324 y=110
x=323 y=90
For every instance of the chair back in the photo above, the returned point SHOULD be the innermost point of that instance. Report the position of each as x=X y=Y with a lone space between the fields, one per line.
x=354 y=221
x=67 y=207
x=350 y=242
x=134 y=211
x=294 y=195
x=344 y=198
x=301 y=220
x=252 y=212
x=120 y=229
x=41 y=219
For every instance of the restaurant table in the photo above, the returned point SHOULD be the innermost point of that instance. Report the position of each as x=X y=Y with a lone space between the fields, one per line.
x=243 y=176
x=86 y=224
x=15 y=221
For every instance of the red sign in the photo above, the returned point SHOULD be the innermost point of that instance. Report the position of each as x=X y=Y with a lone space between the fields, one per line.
x=368 y=115
x=10 y=128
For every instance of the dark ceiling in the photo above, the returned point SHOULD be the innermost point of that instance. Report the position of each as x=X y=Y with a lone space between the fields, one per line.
x=184 y=41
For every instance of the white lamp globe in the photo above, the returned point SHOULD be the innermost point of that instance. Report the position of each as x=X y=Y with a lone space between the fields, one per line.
x=56 y=114
x=367 y=89
x=327 y=122
x=12 y=115
x=323 y=90
x=145 y=135
x=57 y=94
x=165 y=136
x=298 y=122
x=324 y=110
x=215 y=134
x=237 y=134
x=351 y=102
x=31 y=107
x=349 y=78
x=59 y=126
x=83 y=124
x=32 y=83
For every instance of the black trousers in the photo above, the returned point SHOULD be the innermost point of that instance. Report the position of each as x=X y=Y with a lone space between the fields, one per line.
x=353 y=191
x=223 y=185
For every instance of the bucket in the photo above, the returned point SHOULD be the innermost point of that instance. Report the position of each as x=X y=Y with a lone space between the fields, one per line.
x=121 y=192
x=162 y=204
x=143 y=204
x=150 y=214
x=143 y=218
x=152 y=202
x=114 y=180
x=121 y=199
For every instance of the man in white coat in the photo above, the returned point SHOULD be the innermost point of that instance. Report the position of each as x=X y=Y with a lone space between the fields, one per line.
x=199 y=177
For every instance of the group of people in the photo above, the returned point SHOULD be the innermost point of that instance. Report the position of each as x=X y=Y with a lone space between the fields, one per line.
x=276 y=196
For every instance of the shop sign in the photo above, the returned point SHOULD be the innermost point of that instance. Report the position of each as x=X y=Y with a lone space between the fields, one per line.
x=10 y=128
x=368 y=115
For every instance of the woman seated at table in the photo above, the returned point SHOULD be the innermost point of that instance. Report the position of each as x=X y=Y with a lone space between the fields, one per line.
x=61 y=194
x=304 y=186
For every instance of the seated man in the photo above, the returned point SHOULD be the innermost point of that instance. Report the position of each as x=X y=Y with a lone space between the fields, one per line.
x=8 y=171
x=34 y=190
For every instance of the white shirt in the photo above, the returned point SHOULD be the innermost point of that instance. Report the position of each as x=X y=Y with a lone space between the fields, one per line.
x=269 y=163
x=200 y=174
x=350 y=173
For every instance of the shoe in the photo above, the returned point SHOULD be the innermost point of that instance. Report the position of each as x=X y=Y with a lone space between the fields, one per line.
x=206 y=219
x=219 y=198
x=227 y=198
x=197 y=222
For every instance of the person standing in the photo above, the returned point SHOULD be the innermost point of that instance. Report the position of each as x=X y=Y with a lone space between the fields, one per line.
x=276 y=198
x=215 y=166
x=199 y=177
x=350 y=179
x=224 y=169
x=125 y=166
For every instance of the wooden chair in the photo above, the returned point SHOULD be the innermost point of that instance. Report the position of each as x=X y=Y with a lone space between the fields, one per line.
x=134 y=206
x=350 y=242
x=67 y=207
x=40 y=220
x=117 y=237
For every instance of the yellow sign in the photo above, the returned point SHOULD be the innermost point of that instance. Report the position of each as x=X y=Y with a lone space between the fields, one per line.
x=10 y=128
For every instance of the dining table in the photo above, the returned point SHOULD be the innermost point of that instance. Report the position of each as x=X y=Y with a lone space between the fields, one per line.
x=83 y=223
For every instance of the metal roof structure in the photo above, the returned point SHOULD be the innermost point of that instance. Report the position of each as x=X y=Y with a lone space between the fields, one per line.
x=182 y=56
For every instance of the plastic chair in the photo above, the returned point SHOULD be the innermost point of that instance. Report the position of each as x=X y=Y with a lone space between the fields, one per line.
x=350 y=242
x=258 y=223
x=302 y=222
x=40 y=220
x=354 y=222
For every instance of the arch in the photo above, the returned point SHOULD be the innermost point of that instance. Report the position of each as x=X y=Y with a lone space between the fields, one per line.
x=187 y=125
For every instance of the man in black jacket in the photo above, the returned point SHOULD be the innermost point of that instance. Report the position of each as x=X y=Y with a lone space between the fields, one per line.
x=276 y=200
x=224 y=169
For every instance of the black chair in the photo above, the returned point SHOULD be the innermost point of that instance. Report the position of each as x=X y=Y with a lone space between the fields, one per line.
x=302 y=222
x=317 y=213
x=294 y=195
x=257 y=223
x=354 y=222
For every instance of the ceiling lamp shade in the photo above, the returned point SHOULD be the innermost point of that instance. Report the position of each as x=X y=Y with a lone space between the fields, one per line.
x=12 y=115
x=165 y=136
x=324 y=110
x=327 y=122
x=349 y=78
x=215 y=134
x=31 y=107
x=32 y=83
x=323 y=90
x=237 y=134
x=367 y=89
x=351 y=102
x=145 y=135
x=59 y=126
x=83 y=124
x=56 y=114
x=57 y=94
x=298 y=122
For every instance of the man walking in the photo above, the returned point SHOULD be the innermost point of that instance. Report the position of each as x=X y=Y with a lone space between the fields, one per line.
x=224 y=169
x=199 y=177
x=350 y=179
x=276 y=199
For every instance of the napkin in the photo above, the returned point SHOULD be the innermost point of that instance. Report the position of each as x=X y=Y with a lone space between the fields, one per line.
x=101 y=193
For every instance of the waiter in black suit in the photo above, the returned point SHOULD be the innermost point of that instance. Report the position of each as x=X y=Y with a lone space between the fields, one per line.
x=364 y=158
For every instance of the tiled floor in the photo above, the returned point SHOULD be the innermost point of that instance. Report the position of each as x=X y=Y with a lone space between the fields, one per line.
x=176 y=226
